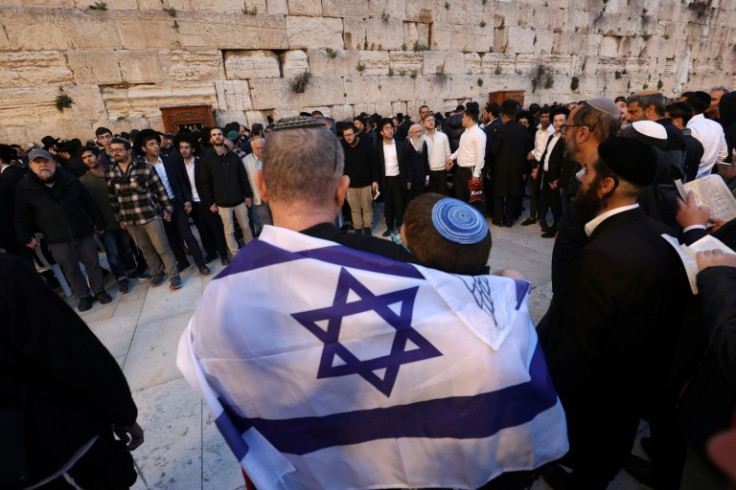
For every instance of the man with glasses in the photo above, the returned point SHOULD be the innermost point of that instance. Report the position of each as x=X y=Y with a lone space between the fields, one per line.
x=361 y=166
x=140 y=202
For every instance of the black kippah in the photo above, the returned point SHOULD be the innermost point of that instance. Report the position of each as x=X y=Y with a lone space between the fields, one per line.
x=633 y=160
x=298 y=122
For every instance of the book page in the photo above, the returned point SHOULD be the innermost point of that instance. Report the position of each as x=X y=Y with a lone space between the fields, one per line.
x=688 y=260
x=709 y=242
x=712 y=192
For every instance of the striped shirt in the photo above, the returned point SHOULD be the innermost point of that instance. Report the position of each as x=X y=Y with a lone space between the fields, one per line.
x=137 y=195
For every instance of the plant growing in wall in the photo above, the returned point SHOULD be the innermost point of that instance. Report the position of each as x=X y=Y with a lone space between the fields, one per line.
x=98 y=6
x=247 y=11
x=171 y=11
x=385 y=16
x=63 y=101
x=360 y=67
x=413 y=74
x=299 y=83
x=391 y=72
x=660 y=84
x=420 y=47
x=482 y=23
x=331 y=53
x=574 y=83
x=447 y=5
x=498 y=70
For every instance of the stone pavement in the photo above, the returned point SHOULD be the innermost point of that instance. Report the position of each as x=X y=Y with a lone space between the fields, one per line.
x=182 y=448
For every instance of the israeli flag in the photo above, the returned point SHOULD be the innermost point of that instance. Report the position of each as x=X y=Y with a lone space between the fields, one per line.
x=327 y=367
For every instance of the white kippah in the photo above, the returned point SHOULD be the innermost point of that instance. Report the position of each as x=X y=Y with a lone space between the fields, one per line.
x=604 y=105
x=651 y=129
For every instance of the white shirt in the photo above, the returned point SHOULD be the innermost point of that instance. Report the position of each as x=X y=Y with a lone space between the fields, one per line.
x=591 y=225
x=161 y=171
x=710 y=135
x=472 y=150
x=540 y=141
x=391 y=160
x=552 y=143
x=438 y=148
x=251 y=164
x=189 y=166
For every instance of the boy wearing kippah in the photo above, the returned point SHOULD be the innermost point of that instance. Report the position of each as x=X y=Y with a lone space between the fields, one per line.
x=449 y=235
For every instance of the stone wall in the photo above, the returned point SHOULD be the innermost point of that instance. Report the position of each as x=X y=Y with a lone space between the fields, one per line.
x=121 y=60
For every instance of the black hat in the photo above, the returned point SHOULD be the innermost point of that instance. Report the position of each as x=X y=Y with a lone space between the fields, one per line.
x=7 y=153
x=633 y=160
x=472 y=108
x=460 y=108
x=49 y=141
x=143 y=133
x=509 y=106
x=560 y=109
x=525 y=115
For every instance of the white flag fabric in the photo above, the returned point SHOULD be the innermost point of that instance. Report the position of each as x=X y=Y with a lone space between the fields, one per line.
x=328 y=367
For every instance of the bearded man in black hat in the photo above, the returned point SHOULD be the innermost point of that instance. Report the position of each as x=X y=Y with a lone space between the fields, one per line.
x=607 y=333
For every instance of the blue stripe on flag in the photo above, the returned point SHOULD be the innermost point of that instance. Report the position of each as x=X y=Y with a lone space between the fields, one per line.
x=232 y=436
x=467 y=417
x=258 y=254
x=522 y=287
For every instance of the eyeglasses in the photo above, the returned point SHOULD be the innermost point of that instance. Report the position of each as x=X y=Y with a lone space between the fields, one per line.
x=118 y=150
x=563 y=128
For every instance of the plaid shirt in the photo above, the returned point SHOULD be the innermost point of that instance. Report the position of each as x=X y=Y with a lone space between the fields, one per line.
x=138 y=195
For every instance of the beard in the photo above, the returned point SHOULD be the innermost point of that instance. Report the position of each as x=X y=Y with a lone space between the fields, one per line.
x=587 y=202
x=416 y=143
x=571 y=148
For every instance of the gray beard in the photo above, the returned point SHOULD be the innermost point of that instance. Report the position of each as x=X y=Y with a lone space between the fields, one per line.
x=416 y=143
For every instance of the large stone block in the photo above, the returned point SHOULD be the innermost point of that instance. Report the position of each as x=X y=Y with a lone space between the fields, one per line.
x=497 y=63
x=465 y=38
x=95 y=66
x=16 y=135
x=92 y=29
x=111 y=4
x=309 y=8
x=34 y=68
x=28 y=106
x=269 y=93
x=11 y=3
x=88 y=104
x=277 y=7
x=233 y=95
x=433 y=87
x=384 y=35
x=234 y=7
x=395 y=9
x=253 y=117
x=222 y=118
x=34 y=29
x=192 y=64
x=425 y=11
x=306 y=32
x=375 y=62
x=294 y=63
x=49 y=3
x=472 y=63
x=365 y=89
x=343 y=112
x=406 y=61
x=324 y=91
x=443 y=62
x=354 y=33
x=234 y=31
x=140 y=66
x=251 y=64
x=521 y=40
x=334 y=64
x=149 y=32
x=146 y=100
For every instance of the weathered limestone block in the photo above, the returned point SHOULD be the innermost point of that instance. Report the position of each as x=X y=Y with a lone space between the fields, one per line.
x=395 y=9
x=224 y=117
x=139 y=66
x=145 y=100
x=343 y=112
x=282 y=112
x=433 y=87
x=367 y=108
x=277 y=7
x=32 y=29
x=233 y=95
x=466 y=86
x=425 y=11
x=354 y=33
x=269 y=93
x=253 y=117
x=92 y=29
x=509 y=11
x=461 y=12
x=384 y=35
x=251 y=64
x=34 y=68
x=609 y=46
x=149 y=32
x=234 y=31
x=309 y=8
x=544 y=38
x=498 y=62
x=324 y=91
x=88 y=104
x=234 y=7
x=465 y=38
x=294 y=63
x=118 y=126
x=95 y=66
x=398 y=107
x=416 y=34
x=306 y=32
x=11 y=3
x=375 y=62
x=443 y=62
x=16 y=134
x=567 y=42
x=323 y=64
x=49 y=3
x=111 y=5
x=192 y=64
x=369 y=89
x=383 y=107
x=521 y=40
x=472 y=63
x=406 y=61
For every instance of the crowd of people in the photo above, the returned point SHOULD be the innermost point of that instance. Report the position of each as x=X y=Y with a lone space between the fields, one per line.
x=624 y=338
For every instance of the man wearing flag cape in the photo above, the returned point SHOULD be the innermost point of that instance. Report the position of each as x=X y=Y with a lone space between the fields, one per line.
x=325 y=366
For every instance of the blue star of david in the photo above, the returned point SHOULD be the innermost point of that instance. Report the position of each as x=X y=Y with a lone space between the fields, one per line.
x=368 y=302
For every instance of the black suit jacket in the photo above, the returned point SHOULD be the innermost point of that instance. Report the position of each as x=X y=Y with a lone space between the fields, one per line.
x=510 y=147
x=12 y=175
x=400 y=154
x=417 y=164
x=178 y=179
x=197 y=178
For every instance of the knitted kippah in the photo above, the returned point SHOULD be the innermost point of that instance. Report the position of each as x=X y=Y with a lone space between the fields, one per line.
x=298 y=122
x=458 y=221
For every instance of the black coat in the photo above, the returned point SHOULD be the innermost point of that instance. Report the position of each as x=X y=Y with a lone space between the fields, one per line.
x=608 y=335
x=197 y=178
x=12 y=175
x=62 y=213
x=453 y=128
x=178 y=180
x=361 y=164
x=510 y=147
x=417 y=164
x=224 y=179
x=693 y=155
x=55 y=372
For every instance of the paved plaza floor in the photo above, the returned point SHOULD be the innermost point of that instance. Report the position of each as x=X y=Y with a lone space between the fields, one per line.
x=183 y=449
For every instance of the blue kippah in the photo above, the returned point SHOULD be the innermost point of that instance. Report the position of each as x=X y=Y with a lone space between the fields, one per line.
x=458 y=221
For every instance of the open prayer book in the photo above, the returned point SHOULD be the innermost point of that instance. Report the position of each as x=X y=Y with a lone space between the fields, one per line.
x=687 y=254
x=712 y=192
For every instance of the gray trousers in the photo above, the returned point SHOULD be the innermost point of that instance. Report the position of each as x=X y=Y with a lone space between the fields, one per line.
x=241 y=214
x=70 y=254
x=151 y=239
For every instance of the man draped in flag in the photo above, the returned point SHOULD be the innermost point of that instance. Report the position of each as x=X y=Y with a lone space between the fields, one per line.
x=325 y=366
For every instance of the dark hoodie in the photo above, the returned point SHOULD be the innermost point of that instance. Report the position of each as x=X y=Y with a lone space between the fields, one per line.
x=727 y=109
